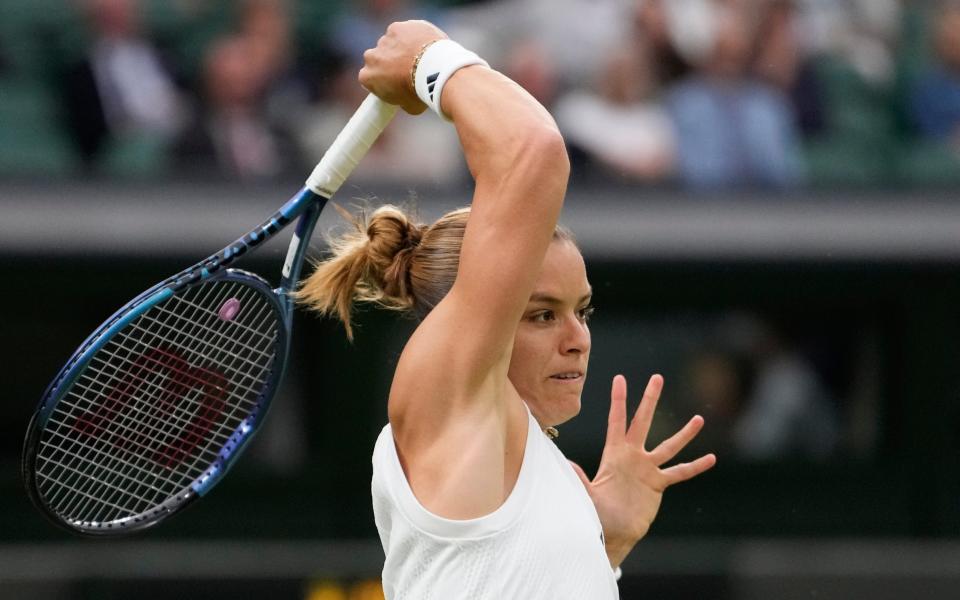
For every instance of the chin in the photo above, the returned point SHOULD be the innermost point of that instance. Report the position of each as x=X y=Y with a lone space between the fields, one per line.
x=565 y=413
x=550 y=408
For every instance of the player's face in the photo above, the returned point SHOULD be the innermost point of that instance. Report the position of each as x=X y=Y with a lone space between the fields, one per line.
x=552 y=346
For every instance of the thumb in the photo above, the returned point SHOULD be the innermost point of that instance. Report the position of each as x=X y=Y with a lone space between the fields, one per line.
x=581 y=474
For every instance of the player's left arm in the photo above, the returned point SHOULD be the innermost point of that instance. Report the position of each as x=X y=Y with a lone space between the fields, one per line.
x=630 y=482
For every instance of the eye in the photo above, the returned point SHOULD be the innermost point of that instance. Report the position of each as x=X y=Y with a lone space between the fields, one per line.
x=544 y=316
x=585 y=313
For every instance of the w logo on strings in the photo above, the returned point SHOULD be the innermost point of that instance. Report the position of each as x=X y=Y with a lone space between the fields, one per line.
x=431 y=84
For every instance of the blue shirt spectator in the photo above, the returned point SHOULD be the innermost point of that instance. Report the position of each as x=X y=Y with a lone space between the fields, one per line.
x=731 y=129
x=935 y=99
x=935 y=103
x=728 y=135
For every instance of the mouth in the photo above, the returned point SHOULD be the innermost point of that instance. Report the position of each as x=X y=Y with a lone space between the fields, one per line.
x=568 y=377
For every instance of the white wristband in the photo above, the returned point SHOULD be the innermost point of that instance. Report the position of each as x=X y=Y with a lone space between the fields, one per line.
x=439 y=61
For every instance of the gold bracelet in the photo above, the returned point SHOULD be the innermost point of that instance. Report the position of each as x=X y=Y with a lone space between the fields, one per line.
x=416 y=62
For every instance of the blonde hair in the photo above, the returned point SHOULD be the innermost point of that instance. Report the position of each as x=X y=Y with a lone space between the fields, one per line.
x=389 y=259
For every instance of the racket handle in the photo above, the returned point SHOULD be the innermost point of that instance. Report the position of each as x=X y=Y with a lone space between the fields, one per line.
x=351 y=145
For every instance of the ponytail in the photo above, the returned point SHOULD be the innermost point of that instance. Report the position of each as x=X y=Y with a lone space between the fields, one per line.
x=369 y=263
x=389 y=259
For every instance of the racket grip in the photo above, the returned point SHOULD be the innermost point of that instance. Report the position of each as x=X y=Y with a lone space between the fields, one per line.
x=351 y=146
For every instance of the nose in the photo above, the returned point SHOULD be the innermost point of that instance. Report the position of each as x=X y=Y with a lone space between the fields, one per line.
x=576 y=337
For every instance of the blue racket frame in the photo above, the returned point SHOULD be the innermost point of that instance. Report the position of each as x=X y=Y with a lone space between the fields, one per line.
x=306 y=205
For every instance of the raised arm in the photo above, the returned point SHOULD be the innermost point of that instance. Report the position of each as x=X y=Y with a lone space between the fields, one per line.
x=519 y=163
x=518 y=160
x=457 y=420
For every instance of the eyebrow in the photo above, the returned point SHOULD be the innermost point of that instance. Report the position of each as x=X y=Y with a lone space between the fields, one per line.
x=548 y=299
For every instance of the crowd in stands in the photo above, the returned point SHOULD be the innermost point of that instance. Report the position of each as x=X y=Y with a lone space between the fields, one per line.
x=699 y=94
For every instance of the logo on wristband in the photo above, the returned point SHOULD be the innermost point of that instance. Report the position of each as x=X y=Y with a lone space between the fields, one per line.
x=432 y=83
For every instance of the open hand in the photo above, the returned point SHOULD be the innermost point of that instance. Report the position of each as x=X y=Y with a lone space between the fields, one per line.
x=629 y=484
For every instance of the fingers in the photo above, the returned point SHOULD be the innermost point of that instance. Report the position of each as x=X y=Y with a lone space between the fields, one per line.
x=678 y=441
x=617 y=420
x=640 y=426
x=387 y=66
x=685 y=471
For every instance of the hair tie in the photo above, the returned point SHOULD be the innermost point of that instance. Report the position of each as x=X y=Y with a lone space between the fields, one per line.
x=414 y=235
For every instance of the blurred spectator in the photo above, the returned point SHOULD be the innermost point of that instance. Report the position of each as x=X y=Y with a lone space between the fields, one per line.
x=529 y=64
x=861 y=33
x=780 y=59
x=265 y=24
x=733 y=130
x=232 y=134
x=621 y=126
x=421 y=149
x=364 y=22
x=935 y=99
x=120 y=88
x=854 y=44
x=572 y=37
x=788 y=412
x=764 y=398
x=247 y=77
x=716 y=387
x=663 y=24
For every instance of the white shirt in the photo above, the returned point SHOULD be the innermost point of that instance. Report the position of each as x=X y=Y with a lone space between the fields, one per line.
x=544 y=542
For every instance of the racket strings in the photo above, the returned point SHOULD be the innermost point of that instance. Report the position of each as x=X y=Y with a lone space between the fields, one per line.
x=106 y=482
x=92 y=479
x=156 y=404
x=189 y=333
x=90 y=427
x=161 y=438
x=120 y=421
x=182 y=424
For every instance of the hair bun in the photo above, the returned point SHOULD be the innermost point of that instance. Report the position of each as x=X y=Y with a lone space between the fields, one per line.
x=388 y=259
x=392 y=242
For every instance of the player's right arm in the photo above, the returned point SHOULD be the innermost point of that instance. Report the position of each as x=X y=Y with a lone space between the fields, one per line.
x=454 y=413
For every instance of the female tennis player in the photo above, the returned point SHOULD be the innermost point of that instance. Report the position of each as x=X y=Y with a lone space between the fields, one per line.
x=471 y=497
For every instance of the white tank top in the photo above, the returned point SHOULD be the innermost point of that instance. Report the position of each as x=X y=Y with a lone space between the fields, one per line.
x=544 y=542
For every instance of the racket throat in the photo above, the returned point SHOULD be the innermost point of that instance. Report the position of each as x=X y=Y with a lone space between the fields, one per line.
x=300 y=241
x=291 y=255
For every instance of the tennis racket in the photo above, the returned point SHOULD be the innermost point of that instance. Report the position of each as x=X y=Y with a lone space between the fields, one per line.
x=156 y=405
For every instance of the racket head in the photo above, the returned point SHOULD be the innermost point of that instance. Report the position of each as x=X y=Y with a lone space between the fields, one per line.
x=156 y=405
